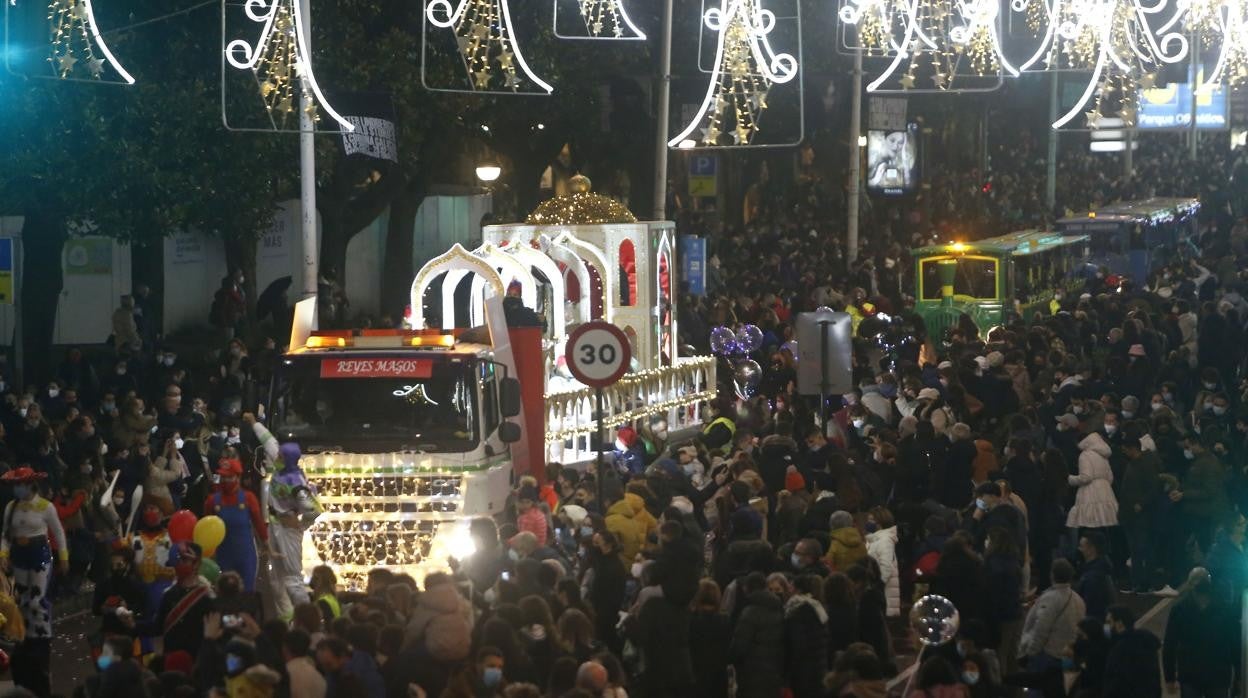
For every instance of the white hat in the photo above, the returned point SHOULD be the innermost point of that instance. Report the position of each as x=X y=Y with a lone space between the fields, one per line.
x=995 y=358
x=576 y=513
x=945 y=364
x=982 y=362
x=929 y=394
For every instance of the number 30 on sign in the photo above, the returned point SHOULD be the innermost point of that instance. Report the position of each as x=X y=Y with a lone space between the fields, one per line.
x=598 y=354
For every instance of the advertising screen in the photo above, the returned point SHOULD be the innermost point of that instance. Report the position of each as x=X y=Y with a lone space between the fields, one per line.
x=893 y=161
x=1170 y=107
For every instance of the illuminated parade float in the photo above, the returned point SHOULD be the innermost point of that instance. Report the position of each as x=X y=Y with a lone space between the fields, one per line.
x=410 y=433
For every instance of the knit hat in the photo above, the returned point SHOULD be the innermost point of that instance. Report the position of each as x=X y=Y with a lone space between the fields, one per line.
x=626 y=436
x=982 y=362
x=230 y=467
x=995 y=359
x=793 y=480
x=683 y=505
x=929 y=394
x=1136 y=350
x=1069 y=420
x=576 y=513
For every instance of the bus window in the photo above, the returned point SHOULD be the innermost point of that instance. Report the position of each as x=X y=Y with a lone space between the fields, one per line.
x=976 y=278
x=1108 y=242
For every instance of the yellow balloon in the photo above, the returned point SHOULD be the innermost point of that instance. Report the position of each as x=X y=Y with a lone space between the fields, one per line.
x=209 y=532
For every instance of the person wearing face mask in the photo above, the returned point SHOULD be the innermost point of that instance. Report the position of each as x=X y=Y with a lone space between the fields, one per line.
x=151 y=548
x=29 y=521
x=1202 y=497
x=245 y=675
x=290 y=515
x=118 y=595
x=118 y=673
x=244 y=523
x=717 y=435
x=70 y=502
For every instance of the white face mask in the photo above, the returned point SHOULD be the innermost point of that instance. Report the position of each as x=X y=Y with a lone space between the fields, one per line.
x=53 y=392
x=635 y=570
x=1077 y=409
x=1127 y=414
x=179 y=443
x=1219 y=410
x=1111 y=428
x=103 y=448
x=22 y=411
x=859 y=423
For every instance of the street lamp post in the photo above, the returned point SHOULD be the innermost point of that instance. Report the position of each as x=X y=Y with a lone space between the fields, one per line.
x=855 y=156
x=663 y=115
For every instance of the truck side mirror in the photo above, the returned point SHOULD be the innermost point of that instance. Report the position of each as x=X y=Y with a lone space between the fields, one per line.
x=509 y=432
x=509 y=397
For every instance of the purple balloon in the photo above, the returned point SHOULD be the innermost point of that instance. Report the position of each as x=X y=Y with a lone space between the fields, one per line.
x=750 y=339
x=723 y=341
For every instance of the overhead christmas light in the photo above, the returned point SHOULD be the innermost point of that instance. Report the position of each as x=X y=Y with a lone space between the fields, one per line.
x=75 y=38
x=746 y=67
x=279 y=58
x=487 y=42
x=1116 y=42
x=603 y=20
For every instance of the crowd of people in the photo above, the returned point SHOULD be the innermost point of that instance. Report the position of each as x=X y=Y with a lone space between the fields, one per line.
x=1040 y=477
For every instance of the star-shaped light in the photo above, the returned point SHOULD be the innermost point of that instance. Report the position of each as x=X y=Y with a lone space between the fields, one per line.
x=512 y=82
x=481 y=78
x=710 y=135
x=596 y=28
x=907 y=81
x=1148 y=81
x=1093 y=117
x=96 y=67
x=66 y=62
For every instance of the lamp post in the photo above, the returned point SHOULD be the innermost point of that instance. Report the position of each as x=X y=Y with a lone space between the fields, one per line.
x=488 y=172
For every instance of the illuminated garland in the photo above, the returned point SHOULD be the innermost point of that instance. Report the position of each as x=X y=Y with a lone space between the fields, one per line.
x=1222 y=25
x=933 y=37
x=1114 y=40
x=279 y=57
x=487 y=43
x=74 y=35
x=607 y=16
x=745 y=69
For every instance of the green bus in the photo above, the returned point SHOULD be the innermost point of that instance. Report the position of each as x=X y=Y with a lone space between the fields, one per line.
x=996 y=279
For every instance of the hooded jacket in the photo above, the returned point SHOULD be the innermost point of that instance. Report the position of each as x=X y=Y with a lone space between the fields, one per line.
x=630 y=533
x=845 y=547
x=757 y=647
x=1095 y=504
x=882 y=547
x=257 y=681
x=1132 y=670
x=441 y=622
x=805 y=645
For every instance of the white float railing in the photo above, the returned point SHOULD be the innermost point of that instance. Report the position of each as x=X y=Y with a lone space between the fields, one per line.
x=672 y=392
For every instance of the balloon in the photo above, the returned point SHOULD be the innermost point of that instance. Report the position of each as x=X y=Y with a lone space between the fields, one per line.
x=208 y=569
x=209 y=532
x=750 y=339
x=723 y=341
x=746 y=377
x=935 y=619
x=182 y=526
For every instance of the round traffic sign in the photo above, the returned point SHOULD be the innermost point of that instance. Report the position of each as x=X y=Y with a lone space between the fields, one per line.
x=598 y=354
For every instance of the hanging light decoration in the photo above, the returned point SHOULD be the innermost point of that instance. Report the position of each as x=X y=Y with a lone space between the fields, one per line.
x=603 y=19
x=939 y=40
x=746 y=67
x=1223 y=27
x=487 y=43
x=1116 y=42
x=75 y=40
x=279 y=58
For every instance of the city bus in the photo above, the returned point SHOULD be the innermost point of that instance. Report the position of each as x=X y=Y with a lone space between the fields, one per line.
x=996 y=279
x=1136 y=237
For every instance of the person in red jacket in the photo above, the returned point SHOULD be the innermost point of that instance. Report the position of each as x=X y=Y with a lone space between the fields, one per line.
x=244 y=523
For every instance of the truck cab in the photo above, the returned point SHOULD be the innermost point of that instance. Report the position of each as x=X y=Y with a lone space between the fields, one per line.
x=406 y=436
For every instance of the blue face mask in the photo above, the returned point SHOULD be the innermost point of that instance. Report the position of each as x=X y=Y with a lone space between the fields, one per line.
x=233 y=664
x=587 y=531
x=513 y=555
x=21 y=491
x=104 y=661
x=888 y=390
x=872 y=527
x=1068 y=664
x=492 y=676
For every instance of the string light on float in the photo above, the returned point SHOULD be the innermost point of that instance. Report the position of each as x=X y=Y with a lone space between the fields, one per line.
x=1222 y=26
x=279 y=58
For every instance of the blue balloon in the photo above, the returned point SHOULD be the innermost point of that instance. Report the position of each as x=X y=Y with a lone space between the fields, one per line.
x=750 y=339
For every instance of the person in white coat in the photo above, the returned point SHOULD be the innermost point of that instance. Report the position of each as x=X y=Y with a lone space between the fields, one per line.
x=1095 y=503
x=882 y=547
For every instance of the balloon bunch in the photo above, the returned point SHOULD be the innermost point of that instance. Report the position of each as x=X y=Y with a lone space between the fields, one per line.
x=207 y=533
x=736 y=347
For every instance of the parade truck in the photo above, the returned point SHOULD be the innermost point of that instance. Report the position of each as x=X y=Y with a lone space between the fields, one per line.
x=406 y=435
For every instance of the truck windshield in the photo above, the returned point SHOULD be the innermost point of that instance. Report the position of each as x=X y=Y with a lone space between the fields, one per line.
x=394 y=402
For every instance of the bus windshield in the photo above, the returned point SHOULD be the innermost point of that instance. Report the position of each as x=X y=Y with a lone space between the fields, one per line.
x=976 y=278
x=425 y=403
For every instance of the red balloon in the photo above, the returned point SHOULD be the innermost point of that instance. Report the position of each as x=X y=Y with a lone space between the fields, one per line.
x=182 y=526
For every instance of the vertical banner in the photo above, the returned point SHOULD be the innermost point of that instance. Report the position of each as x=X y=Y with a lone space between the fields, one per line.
x=693 y=263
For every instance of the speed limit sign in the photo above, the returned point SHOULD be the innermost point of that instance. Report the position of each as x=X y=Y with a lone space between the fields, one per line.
x=598 y=354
